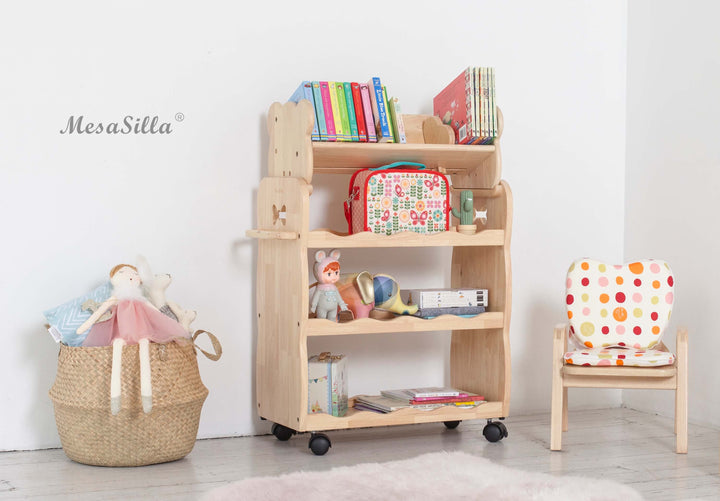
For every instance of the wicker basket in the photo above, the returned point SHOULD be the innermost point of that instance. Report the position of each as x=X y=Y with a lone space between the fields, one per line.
x=90 y=434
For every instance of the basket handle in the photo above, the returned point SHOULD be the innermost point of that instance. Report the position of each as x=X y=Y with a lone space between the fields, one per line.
x=217 y=347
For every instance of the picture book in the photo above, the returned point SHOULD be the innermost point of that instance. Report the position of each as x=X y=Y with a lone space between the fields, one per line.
x=391 y=125
x=446 y=298
x=368 y=112
x=359 y=114
x=382 y=127
x=350 y=105
x=343 y=109
x=485 y=105
x=386 y=404
x=327 y=109
x=337 y=117
x=493 y=106
x=451 y=106
x=459 y=311
x=397 y=120
x=305 y=91
x=319 y=112
x=435 y=391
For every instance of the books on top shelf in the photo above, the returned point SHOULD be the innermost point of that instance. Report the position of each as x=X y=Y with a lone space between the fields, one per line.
x=468 y=106
x=353 y=112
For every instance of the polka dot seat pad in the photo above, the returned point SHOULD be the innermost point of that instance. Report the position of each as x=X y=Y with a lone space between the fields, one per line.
x=626 y=306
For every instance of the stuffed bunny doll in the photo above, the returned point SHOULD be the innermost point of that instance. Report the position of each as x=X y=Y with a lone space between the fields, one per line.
x=326 y=299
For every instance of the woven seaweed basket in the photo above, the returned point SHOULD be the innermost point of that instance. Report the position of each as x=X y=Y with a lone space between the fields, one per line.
x=90 y=434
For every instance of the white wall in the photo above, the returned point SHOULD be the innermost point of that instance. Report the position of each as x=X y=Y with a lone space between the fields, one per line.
x=73 y=206
x=673 y=177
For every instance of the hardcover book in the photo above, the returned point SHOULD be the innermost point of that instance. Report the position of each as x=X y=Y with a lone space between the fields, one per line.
x=337 y=117
x=305 y=91
x=397 y=120
x=319 y=112
x=343 y=110
x=368 y=112
x=359 y=114
x=447 y=298
x=350 y=105
x=451 y=106
x=327 y=109
x=382 y=127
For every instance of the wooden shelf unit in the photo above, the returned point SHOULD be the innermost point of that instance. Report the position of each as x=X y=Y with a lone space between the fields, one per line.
x=480 y=347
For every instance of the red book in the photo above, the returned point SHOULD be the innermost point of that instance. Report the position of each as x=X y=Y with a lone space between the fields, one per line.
x=359 y=115
x=452 y=106
x=446 y=400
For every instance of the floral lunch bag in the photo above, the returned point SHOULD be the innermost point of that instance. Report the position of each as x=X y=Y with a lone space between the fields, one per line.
x=397 y=197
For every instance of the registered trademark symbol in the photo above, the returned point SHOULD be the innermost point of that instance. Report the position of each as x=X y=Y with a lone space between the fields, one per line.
x=179 y=117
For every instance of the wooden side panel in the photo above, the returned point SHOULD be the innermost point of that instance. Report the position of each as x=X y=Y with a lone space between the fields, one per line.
x=290 y=126
x=282 y=285
x=480 y=359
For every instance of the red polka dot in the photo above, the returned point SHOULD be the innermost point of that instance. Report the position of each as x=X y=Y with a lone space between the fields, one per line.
x=621 y=356
x=569 y=299
x=621 y=344
x=606 y=330
x=654 y=315
x=620 y=297
x=637 y=282
x=585 y=282
x=637 y=330
x=670 y=281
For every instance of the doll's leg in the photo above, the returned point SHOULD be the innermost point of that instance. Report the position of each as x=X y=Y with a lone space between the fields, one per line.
x=115 y=383
x=145 y=380
x=332 y=315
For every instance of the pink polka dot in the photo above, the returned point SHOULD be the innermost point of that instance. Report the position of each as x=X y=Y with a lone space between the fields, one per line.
x=586 y=311
x=669 y=298
x=637 y=345
x=620 y=329
x=655 y=268
x=604 y=361
x=637 y=297
x=617 y=267
x=568 y=283
x=603 y=281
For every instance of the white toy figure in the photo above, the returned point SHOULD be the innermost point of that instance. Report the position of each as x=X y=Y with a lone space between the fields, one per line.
x=326 y=299
x=133 y=320
x=155 y=286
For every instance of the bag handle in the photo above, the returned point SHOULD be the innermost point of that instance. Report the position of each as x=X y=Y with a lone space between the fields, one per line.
x=217 y=347
x=394 y=165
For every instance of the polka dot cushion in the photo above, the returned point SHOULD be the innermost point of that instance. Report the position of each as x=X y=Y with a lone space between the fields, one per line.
x=619 y=356
x=611 y=305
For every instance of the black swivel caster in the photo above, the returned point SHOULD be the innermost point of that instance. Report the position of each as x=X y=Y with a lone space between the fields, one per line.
x=451 y=425
x=494 y=431
x=282 y=433
x=319 y=443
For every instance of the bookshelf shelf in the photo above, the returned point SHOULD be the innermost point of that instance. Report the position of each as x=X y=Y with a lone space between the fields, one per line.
x=319 y=239
x=479 y=346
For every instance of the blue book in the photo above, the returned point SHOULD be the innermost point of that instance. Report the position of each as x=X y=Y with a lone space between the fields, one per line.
x=305 y=91
x=354 y=136
x=382 y=125
x=319 y=111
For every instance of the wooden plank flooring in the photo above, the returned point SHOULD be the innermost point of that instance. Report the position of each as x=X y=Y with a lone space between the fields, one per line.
x=617 y=444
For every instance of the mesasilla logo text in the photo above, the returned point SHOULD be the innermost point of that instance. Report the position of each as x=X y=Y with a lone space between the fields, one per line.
x=128 y=125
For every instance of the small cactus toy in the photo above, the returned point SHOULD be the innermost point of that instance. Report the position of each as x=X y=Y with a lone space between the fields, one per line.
x=466 y=213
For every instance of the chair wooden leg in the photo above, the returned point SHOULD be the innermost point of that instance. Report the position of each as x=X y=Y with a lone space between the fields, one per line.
x=558 y=392
x=564 y=411
x=681 y=402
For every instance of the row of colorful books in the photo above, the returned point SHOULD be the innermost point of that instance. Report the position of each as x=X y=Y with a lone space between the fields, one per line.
x=468 y=105
x=352 y=111
x=435 y=302
x=417 y=398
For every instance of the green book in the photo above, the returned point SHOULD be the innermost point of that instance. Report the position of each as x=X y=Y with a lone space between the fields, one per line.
x=354 y=136
x=391 y=123
x=343 y=109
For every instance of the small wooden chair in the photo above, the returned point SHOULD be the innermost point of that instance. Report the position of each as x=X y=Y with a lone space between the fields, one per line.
x=617 y=315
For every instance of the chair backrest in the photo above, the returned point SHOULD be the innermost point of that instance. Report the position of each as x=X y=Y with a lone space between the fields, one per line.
x=612 y=305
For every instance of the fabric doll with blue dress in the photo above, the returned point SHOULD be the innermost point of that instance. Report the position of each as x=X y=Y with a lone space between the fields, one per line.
x=326 y=299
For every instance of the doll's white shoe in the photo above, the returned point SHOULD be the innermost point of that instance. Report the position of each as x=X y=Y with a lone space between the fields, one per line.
x=115 y=405
x=147 y=403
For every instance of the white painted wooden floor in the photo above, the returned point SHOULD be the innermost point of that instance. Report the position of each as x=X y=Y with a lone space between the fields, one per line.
x=617 y=444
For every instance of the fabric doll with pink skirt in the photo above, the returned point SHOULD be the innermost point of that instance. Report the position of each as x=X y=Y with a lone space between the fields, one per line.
x=133 y=320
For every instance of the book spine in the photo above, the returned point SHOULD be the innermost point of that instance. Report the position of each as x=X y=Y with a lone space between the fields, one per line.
x=359 y=115
x=382 y=127
x=493 y=104
x=437 y=394
x=350 y=107
x=368 y=112
x=327 y=110
x=337 y=118
x=397 y=120
x=469 y=106
x=319 y=112
x=477 y=96
x=391 y=123
x=485 y=105
x=308 y=91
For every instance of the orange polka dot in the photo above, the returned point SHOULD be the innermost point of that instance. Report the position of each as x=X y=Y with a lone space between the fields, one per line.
x=619 y=280
x=569 y=314
x=636 y=268
x=569 y=361
x=656 y=284
x=588 y=344
x=656 y=330
x=585 y=266
x=604 y=298
x=619 y=362
x=620 y=314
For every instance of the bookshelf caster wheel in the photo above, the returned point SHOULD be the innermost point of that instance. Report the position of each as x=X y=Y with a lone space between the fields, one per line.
x=495 y=431
x=451 y=425
x=319 y=443
x=282 y=433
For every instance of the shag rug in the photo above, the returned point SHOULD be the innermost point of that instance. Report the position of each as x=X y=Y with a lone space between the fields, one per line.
x=435 y=476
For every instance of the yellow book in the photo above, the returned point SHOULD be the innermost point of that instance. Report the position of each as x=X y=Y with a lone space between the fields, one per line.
x=340 y=132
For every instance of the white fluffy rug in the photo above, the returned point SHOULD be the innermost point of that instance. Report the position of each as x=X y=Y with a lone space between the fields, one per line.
x=440 y=475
